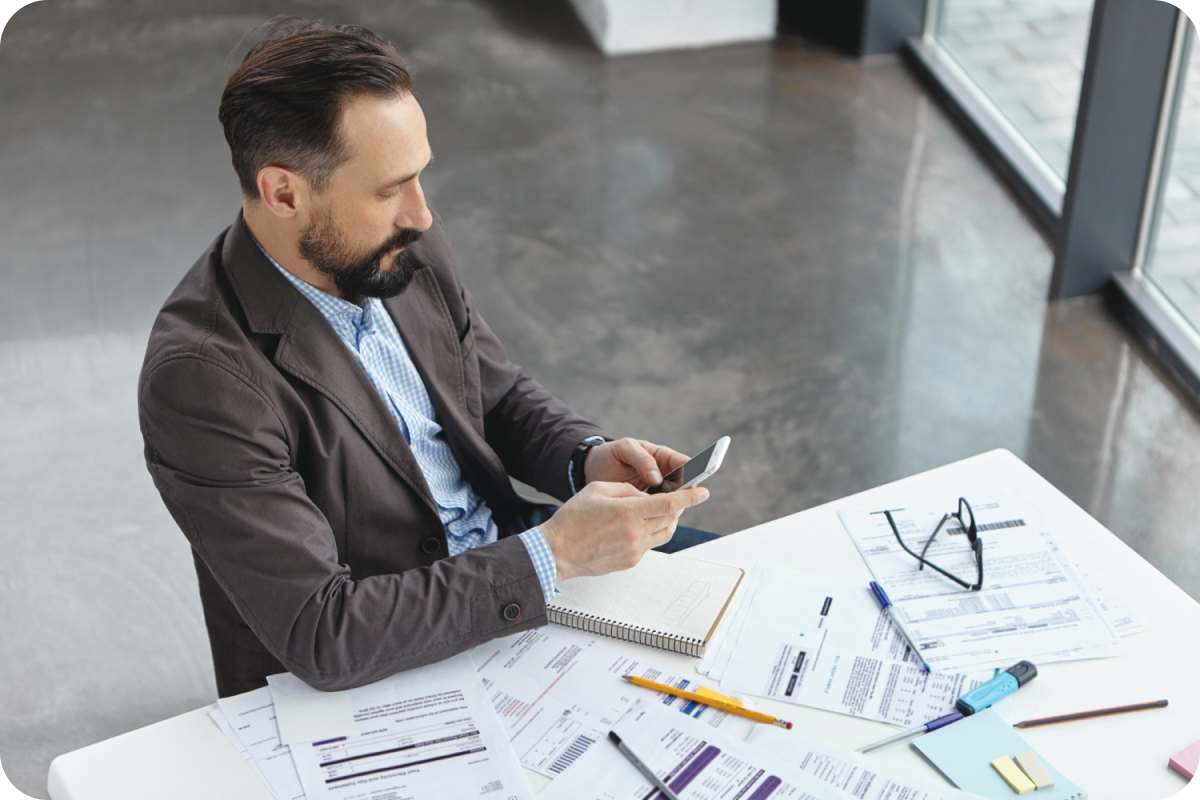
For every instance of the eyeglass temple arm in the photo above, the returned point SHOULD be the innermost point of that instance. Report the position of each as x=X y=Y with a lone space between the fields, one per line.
x=929 y=541
x=954 y=578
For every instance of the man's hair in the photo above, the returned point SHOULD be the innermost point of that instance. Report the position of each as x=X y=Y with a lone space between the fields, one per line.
x=283 y=105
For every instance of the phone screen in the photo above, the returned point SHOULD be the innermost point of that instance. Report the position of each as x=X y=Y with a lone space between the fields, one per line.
x=689 y=471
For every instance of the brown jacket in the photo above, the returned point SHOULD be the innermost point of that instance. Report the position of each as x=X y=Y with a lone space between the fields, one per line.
x=317 y=542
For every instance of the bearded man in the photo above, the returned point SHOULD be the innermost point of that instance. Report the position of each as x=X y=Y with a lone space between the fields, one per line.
x=331 y=422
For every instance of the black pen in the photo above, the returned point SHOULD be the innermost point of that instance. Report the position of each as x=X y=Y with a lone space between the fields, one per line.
x=642 y=768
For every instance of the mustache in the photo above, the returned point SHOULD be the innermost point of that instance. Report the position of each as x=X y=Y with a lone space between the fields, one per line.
x=400 y=239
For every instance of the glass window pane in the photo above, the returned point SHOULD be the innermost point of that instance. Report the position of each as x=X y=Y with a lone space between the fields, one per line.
x=1027 y=56
x=1174 y=264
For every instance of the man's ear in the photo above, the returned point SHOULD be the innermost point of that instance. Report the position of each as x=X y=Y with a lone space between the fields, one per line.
x=281 y=191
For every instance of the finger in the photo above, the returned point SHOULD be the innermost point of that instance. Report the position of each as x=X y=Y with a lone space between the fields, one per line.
x=668 y=460
x=614 y=489
x=661 y=505
x=663 y=535
x=632 y=453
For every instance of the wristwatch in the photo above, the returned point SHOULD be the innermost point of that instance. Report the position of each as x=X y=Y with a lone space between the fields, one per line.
x=575 y=472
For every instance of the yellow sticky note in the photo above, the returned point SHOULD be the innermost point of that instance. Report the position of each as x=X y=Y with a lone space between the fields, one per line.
x=1029 y=764
x=1019 y=782
x=704 y=691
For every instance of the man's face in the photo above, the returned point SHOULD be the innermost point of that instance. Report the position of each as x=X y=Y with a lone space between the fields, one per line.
x=360 y=227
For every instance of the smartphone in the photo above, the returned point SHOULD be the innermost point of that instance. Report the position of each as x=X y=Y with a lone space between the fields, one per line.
x=696 y=469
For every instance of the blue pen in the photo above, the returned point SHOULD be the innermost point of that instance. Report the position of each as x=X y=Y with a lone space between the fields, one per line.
x=928 y=727
x=887 y=606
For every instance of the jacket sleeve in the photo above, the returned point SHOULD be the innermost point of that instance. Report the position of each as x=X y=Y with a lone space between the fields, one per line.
x=533 y=432
x=219 y=454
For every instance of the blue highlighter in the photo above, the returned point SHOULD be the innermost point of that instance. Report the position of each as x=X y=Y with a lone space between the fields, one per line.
x=997 y=688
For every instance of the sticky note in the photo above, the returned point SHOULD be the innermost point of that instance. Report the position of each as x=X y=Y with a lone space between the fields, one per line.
x=1029 y=764
x=704 y=691
x=1186 y=761
x=1019 y=782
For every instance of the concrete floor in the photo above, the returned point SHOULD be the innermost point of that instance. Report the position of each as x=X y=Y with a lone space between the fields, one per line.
x=768 y=241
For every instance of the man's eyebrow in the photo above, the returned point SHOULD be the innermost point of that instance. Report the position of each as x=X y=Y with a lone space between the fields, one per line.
x=407 y=178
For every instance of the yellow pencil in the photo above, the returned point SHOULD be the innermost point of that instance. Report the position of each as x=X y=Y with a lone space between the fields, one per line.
x=709 y=701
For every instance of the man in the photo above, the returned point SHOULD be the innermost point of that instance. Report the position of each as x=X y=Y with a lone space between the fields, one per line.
x=331 y=422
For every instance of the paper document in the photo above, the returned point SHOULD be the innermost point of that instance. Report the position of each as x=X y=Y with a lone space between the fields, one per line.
x=697 y=762
x=248 y=721
x=854 y=773
x=828 y=645
x=1120 y=616
x=426 y=733
x=558 y=692
x=1031 y=606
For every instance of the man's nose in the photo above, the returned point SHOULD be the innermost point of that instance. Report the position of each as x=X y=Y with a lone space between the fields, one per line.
x=417 y=214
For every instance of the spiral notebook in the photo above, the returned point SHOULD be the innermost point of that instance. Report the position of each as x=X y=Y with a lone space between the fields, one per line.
x=666 y=601
x=964 y=752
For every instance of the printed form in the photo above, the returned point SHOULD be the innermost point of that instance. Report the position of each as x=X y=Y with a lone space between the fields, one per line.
x=427 y=732
x=853 y=773
x=828 y=645
x=1032 y=606
x=248 y=721
x=697 y=762
x=558 y=691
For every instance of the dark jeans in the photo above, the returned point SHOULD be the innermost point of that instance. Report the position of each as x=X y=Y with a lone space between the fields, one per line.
x=536 y=513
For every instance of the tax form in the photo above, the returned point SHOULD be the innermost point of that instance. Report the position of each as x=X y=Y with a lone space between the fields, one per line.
x=248 y=721
x=1032 y=606
x=426 y=733
x=697 y=762
x=558 y=691
x=828 y=645
x=853 y=773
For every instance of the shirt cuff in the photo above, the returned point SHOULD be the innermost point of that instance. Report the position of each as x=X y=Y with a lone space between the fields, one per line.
x=543 y=561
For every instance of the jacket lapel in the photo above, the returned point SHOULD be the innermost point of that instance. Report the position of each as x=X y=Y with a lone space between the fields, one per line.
x=424 y=323
x=310 y=350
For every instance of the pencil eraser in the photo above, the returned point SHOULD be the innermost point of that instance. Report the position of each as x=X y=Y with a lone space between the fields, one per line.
x=1031 y=766
x=1019 y=782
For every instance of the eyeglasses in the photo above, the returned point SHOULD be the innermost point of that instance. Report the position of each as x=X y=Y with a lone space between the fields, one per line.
x=966 y=519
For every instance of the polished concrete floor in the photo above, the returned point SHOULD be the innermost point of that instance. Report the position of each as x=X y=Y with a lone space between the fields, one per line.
x=768 y=241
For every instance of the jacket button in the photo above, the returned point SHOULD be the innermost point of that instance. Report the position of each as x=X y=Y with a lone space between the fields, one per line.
x=431 y=545
x=512 y=611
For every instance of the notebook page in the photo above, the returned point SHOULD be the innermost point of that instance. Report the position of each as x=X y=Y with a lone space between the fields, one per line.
x=678 y=596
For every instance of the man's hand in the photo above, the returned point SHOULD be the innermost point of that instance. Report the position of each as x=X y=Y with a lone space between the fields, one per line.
x=637 y=462
x=609 y=527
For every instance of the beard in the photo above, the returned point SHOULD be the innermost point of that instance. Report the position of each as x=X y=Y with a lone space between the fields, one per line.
x=360 y=274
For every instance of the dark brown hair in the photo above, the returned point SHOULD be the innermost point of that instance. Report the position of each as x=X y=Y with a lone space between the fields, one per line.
x=282 y=106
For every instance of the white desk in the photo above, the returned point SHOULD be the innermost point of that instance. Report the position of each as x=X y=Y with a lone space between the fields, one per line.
x=1115 y=758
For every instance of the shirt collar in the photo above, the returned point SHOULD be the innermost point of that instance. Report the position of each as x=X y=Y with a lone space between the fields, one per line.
x=348 y=319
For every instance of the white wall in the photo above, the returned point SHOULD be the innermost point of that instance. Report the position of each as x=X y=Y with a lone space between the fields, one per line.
x=634 y=26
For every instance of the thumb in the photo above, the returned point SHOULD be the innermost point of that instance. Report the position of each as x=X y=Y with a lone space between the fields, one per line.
x=636 y=456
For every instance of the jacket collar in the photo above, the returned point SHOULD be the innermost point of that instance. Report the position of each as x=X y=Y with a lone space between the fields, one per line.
x=310 y=350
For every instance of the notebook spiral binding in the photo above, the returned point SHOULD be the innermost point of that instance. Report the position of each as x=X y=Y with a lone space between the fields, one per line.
x=592 y=623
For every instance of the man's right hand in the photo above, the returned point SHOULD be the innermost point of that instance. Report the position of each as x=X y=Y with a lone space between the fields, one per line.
x=609 y=527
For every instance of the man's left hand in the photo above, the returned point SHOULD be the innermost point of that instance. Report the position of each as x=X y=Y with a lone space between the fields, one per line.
x=632 y=461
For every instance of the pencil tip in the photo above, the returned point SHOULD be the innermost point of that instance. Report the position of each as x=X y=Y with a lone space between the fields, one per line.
x=628 y=678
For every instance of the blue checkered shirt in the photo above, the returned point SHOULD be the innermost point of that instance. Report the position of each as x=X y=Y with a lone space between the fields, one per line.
x=376 y=344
